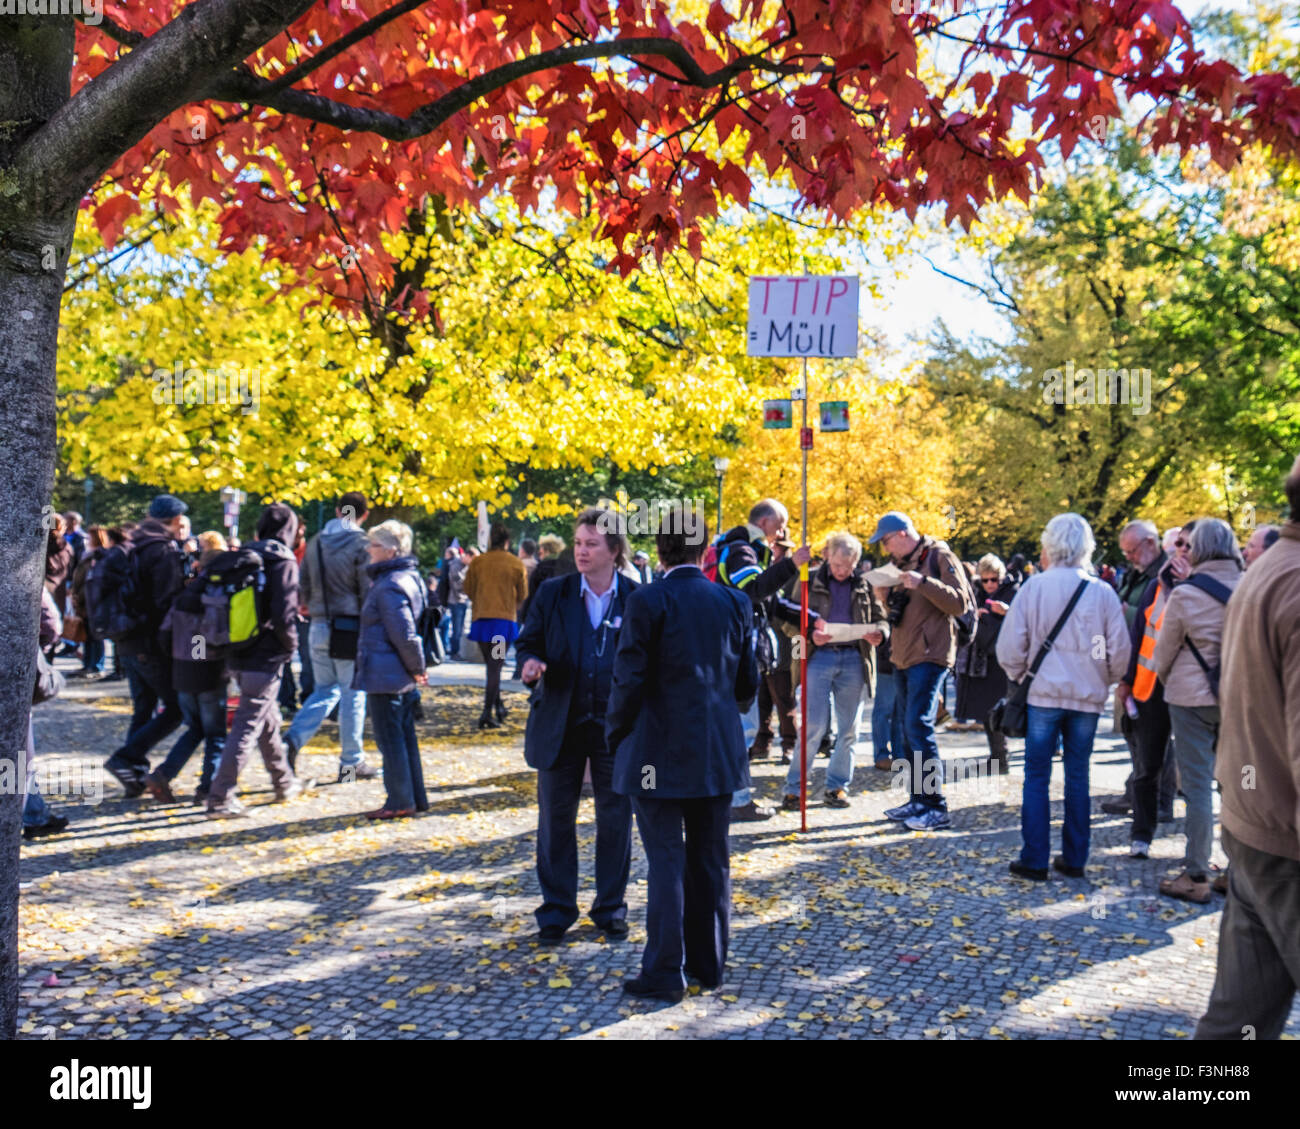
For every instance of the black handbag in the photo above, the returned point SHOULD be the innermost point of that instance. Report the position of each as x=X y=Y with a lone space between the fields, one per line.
x=345 y=630
x=1011 y=715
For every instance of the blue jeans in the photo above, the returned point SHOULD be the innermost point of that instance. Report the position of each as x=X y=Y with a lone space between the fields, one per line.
x=918 y=689
x=333 y=684
x=887 y=720
x=749 y=722
x=393 y=719
x=36 y=812
x=456 y=633
x=834 y=675
x=205 y=721
x=93 y=656
x=1047 y=729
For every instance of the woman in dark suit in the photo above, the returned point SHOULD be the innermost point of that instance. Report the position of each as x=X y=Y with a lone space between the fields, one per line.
x=390 y=665
x=981 y=682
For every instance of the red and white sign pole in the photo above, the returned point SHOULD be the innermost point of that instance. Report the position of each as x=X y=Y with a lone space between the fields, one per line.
x=805 y=445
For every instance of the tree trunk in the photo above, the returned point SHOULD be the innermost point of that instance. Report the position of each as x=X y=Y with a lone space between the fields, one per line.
x=35 y=70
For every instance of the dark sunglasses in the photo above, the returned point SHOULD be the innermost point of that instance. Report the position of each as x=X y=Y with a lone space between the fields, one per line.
x=1181 y=544
x=990 y=580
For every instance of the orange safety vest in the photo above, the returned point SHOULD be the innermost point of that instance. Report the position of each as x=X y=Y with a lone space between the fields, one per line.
x=1144 y=682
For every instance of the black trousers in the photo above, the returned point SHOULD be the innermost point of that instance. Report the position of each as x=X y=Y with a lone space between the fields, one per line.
x=1258 y=973
x=688 y=896
x=775 y=690
x=1151 y=733
x=559 y=791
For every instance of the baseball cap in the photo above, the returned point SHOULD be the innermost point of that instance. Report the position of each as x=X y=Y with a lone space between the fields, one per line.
x=167 y=506
x=892 y=522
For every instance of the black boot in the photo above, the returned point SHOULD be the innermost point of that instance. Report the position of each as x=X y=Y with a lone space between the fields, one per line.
x=501 y=710
x=487 y=721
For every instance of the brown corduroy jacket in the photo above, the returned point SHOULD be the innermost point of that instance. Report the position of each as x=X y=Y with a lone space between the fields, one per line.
x=1258 y=758
x=496 y=583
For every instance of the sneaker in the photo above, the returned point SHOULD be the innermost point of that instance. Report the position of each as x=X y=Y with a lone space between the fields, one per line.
x=1139 y=850
x=126 y=774
x=905 y=812
x=295 y=788
x=789 y=803
x=836 y=798
x=1187 y=888
x=931 y=819
x=751 y=812
x=231 y=809
x=1117 y=807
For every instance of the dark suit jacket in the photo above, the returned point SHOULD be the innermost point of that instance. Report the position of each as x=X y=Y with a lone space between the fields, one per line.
x=685 y=669
x=552 y=633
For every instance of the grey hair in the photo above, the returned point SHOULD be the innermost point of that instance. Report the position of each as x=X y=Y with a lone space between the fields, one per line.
x=1145 y=529
x=392 y=535
x=1068 y=541
x=843 y=542
x=990 y=562
x=768 y=507
x=1214 y=540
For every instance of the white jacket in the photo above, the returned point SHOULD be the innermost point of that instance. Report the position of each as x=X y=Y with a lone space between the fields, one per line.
x=1089 y=655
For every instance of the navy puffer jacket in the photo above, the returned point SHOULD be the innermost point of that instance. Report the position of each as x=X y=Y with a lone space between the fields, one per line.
x=390 y=652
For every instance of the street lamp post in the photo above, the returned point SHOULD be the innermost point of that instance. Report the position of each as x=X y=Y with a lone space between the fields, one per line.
x=231 y=500
x=720 y=464
x=90 y=489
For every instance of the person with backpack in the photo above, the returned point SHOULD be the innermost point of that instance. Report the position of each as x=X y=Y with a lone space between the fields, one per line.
x=334 y=583
x=140 y=581
x=200 y=684
x=1187 y=664
x=264 y=604
x=1050 y=637
x=742 y=559
x=923 y=612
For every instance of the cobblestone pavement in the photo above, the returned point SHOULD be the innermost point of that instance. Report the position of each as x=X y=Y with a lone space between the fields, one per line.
x=305 y=921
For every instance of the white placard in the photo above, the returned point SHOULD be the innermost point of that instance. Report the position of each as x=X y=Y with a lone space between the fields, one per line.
x=803 y=316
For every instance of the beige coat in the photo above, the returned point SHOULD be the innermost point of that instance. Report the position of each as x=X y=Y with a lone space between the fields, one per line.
x=1259 y=701
x=1091 y=652
x=1196 y=615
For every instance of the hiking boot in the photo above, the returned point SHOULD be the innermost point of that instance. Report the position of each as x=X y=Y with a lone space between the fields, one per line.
x=1117 y=807
x=789 y=803
x=159 y=788
x=1187 y=888
x=836 y=798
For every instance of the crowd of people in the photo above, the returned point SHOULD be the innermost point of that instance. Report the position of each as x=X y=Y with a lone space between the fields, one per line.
x=658 y=684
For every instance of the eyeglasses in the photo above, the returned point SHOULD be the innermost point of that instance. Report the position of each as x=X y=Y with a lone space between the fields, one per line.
x=989 y=580
x=1181 y=544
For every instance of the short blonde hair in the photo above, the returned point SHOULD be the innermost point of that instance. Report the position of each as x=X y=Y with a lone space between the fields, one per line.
x=843 y=542
x=991 y=562
x=552 y=544
x=392 y=535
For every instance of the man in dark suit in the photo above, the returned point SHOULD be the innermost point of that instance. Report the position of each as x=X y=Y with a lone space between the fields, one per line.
x=685 y=664
x=566 y=653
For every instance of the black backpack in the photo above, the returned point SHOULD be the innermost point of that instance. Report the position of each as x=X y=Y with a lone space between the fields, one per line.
x=967 y=621
x=1223 y=594
x=113 y=598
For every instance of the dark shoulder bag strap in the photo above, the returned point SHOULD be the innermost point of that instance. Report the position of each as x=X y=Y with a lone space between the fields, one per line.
x=1056 y=630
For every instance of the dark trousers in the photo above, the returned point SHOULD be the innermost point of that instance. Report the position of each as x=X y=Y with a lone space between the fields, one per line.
x=1151 y=741
x=144 y=701
x=775 y=690
x=151 y=677
x=919 y=692
x=559 y=790
x=205 y=721
x=688 y=895
x=1258 y=972
x=393 y=718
